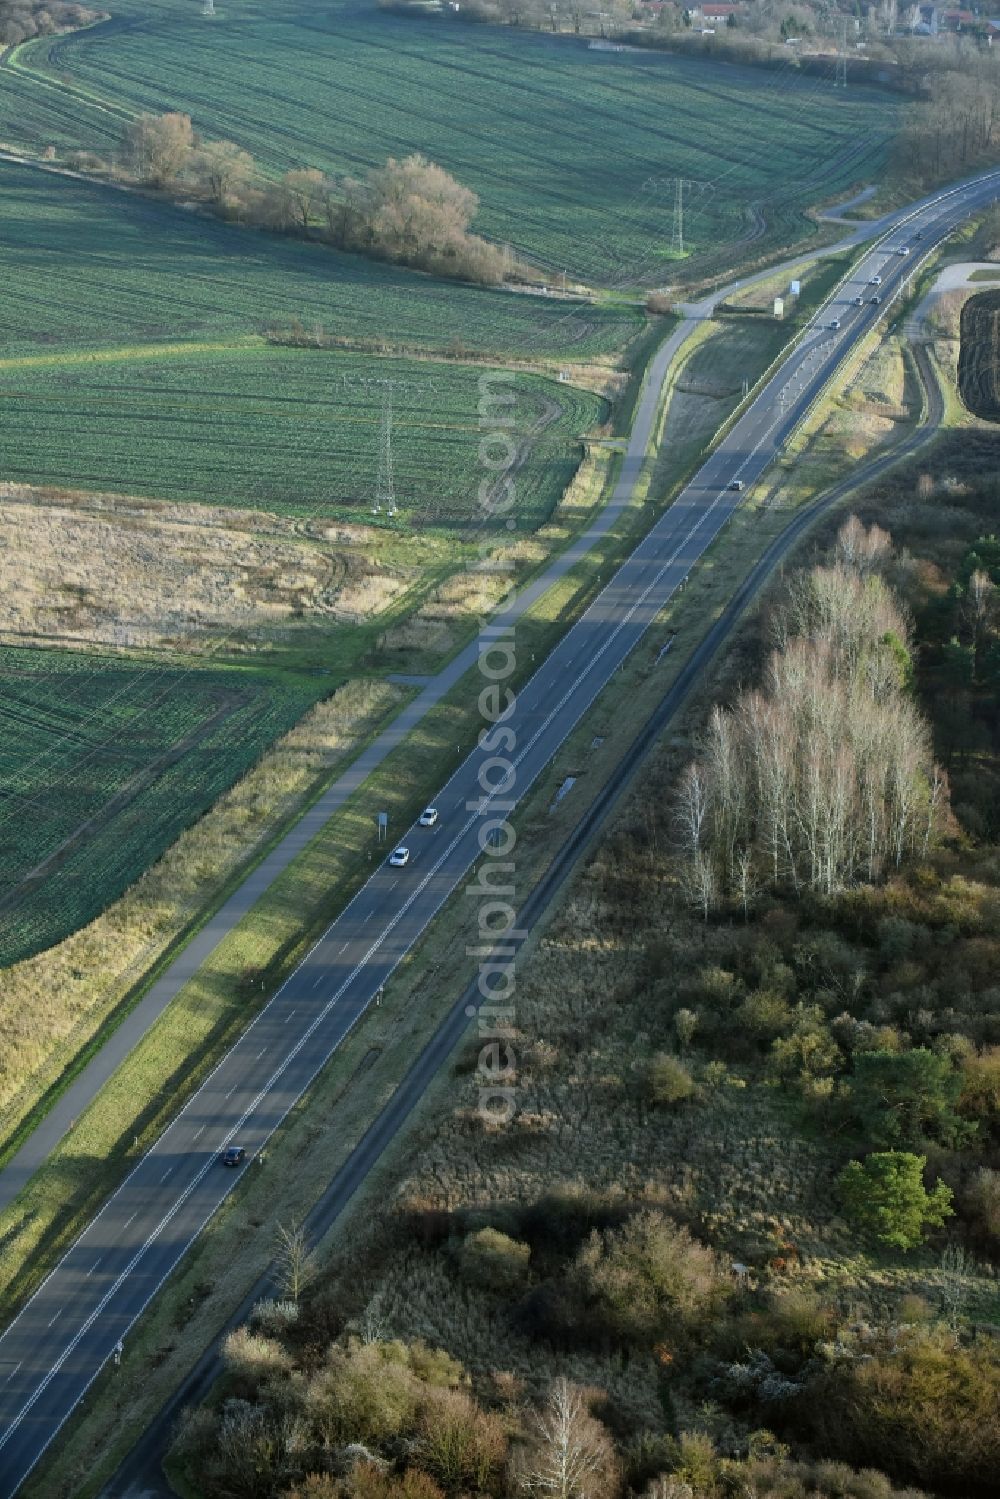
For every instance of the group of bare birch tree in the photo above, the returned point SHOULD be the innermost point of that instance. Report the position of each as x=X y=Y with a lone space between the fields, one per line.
x=823 y=776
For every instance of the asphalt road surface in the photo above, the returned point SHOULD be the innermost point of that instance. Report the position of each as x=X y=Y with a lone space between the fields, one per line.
x=69 y=1329
x=74 y=1099
x=140 y=1474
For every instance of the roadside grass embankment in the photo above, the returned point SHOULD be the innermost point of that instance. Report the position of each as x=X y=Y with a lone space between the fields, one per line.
x=303 y=1156
x=67 y=997
x=255 y=958
x=436 y=969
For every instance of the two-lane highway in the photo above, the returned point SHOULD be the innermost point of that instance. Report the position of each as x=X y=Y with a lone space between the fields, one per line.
x=70 y=1328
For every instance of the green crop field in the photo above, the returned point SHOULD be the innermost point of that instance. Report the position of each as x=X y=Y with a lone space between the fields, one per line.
x=133 y=355
x=978 y=364
x=84 y=264
x=574 y=155
x=103 y=761
x=293 y=430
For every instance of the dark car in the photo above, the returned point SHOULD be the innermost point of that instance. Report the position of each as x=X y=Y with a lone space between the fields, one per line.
x=233 y=1155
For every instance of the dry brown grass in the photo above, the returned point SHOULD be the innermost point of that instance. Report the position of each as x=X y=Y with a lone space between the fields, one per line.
x=945 y=313
x=760 y=297
x=589 y=1015
x=139 y=573
x=50 y=1005
x=874 y=404
x=457 y=606
x=450 y=612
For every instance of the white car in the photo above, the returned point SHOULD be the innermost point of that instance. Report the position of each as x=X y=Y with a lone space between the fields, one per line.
x=903 y=250
x=834 y=324
x=859 y=301
x=428 y=817
x=874 y=280
x=399 y=857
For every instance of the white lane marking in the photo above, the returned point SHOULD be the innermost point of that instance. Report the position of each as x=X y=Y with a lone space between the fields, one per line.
x=232 y=1090
x=260 y=1054
x=94 y=1266
x=13 y=1371
x=395 y=883
x=58 y=1314
x=128 y=1221
x=988 y=179
x=289 y=1016
x=200 y=1132
x=369 y=916
x=345 y=947
x=166 y=1173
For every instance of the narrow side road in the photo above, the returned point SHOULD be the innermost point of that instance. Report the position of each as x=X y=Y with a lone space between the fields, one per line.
x=140 y=1476
x=68 y=1330
x=74 y=1101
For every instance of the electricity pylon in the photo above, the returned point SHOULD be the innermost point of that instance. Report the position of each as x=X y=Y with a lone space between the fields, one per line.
x=385 y=491
x=677 y=239
x=840 y=80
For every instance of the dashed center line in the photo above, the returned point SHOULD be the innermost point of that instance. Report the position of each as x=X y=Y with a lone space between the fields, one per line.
x=289 y=1016
x=13 y=1371
x=318 y=981
x=200 y=1132
x=260 y=1054
x=128 y=1221
x=366 y=919
x=345 y=947
x=166 y=1173
x=94 y=1265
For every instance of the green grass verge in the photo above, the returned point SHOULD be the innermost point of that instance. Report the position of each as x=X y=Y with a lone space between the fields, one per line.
x=319 y=1134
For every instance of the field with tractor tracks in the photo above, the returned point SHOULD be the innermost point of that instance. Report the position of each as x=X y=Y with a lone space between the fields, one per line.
x=575 y=159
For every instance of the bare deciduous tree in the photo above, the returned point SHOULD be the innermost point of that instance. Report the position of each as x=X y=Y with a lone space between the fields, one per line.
x=157 y=148
x=860 y=549
x=373 y=1321
x=296 y=1264
x=224 y=168
x=570 y=1455
x=826 y=776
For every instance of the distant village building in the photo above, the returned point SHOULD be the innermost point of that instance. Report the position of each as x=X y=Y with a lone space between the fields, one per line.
x=710 y=12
